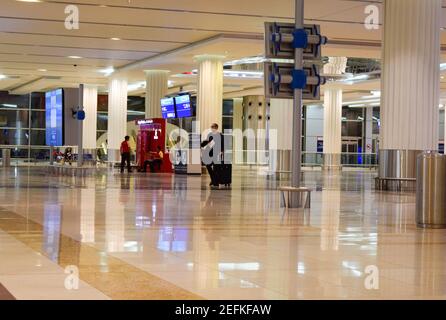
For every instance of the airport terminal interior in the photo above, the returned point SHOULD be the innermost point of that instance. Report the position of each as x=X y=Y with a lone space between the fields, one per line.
x=346 y=200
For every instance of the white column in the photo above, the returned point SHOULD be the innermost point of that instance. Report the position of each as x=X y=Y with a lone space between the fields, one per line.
x=210 y=90
x=332 y=120
x=237 y=129
x=156 y=89
x=443 y=103
x=280 y=139
x=117 y=116
x=410 y=77
x=368 y=130
x=333 y=114
x=90 y=104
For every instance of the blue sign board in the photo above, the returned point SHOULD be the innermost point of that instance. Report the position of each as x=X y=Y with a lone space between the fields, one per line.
x=183 y=106
x=168 y=108
x=54 y=117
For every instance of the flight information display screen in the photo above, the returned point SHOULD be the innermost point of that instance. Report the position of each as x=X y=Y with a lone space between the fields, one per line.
x=168 y=108
x=183 y=106
x=54 y=117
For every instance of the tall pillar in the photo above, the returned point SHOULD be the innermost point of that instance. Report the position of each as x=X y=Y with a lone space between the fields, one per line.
x=368 y=132
x=90 y=105
x=254 y=128
x=332 y=127
x=333 y=115
x=117 y=116
x=210 y=90
x=237 y=130
x=410 y=84
x=156 y=89
x=280 y=140
x=443 y=105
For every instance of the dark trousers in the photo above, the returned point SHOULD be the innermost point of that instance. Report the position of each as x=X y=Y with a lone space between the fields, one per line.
x=125 y=157
x=152 y=164
x=212 y=173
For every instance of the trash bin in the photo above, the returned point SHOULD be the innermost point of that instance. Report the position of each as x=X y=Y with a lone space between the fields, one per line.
x=431 y=190
x=6 y=158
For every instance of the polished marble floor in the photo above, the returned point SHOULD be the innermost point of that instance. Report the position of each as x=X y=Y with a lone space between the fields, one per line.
x=170 y=237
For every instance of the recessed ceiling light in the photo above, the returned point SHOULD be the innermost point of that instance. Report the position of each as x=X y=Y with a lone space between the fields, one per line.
x=108 y=71
x=74 y=57
x=115 y=39
x=42 y=70
x=2 y=76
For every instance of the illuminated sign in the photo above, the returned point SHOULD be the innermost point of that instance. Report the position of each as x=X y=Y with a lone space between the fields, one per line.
x=145 y=121
x=183 y=106
x=168 y=108
x=54 y=118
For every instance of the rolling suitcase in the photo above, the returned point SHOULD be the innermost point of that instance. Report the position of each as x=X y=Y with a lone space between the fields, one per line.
x=224 y=174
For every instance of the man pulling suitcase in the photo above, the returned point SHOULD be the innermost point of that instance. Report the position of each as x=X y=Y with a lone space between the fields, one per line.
x=213 y=158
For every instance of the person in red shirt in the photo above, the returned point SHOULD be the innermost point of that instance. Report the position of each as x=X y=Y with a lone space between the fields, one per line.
x=125 y=154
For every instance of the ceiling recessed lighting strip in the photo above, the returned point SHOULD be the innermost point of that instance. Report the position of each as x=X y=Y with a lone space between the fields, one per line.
x=228 y=74
x=108 y=71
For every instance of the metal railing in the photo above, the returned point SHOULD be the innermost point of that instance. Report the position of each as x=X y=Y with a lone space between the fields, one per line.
x=40 y=154
x=348 y=159
x=309 y=159
x=21 y=154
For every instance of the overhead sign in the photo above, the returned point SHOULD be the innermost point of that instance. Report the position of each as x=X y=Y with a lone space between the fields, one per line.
x=281 y=79
x=144 y=121
x=281 y=40
x=168 y=108
x=183 y=106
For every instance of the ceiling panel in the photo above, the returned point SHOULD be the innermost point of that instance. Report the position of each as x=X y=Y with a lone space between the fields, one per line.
x=33 y=36
x=86 y=43
x=50 y=51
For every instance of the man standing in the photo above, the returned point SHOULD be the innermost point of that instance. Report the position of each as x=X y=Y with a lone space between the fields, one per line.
x=125 y=154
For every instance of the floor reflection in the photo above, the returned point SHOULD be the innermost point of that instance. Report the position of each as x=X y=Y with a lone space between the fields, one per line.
x=233 y=243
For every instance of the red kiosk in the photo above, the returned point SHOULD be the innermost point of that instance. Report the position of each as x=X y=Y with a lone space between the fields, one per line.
x=151 y=135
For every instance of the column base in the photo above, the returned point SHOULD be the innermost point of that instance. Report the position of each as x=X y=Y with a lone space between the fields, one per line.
x=280 y=161
x=331 y=162
x=398 y=163
x=113 y=155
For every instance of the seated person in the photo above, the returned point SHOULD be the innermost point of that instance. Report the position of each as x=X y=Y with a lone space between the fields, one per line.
x=155 y=158
x=68 y=156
